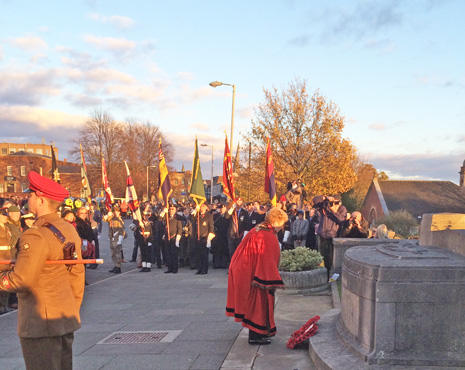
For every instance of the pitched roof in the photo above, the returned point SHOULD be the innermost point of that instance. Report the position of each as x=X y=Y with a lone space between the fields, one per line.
x=419 y=197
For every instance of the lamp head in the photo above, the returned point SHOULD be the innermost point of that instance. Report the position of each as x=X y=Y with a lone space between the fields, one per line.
x=215 y=84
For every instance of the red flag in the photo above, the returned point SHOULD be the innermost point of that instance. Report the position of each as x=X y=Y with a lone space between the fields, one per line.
x=228 y=178
x=131 y=199
x=108 y=195
x=270 y=184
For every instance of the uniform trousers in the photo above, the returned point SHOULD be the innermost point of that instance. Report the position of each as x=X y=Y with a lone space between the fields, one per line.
x=202 y=255
x=156 y=253
x=173 y=255
x=51 y=353
x=326 y=247
x=116 y=250
x=232 y=245
x=145 y=251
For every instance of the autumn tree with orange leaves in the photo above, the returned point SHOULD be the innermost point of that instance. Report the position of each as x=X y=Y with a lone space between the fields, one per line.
x=305 y=132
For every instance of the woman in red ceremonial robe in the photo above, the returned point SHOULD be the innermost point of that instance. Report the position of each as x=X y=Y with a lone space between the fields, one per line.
x=254 y=277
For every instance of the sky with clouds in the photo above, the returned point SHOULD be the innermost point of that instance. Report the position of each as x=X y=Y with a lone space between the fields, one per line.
x=395 y=68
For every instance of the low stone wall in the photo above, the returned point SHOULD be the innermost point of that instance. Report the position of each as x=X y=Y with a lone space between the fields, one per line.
x=305 y=282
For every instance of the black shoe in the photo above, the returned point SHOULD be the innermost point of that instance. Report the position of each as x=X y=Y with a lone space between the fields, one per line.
x=175 y=272
x=198 y=272
x=143 y=269
x=117 y=270
x=93 y=267
x=86 y=283
x=168 y=272
x=146 y=269
x=204 y=273
x=112 y=270
x=259 y=341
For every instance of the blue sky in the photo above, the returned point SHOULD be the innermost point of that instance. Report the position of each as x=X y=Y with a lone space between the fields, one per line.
x=395 y=68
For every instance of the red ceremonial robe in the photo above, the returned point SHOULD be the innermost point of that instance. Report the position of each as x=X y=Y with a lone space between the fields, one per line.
x=253 y=278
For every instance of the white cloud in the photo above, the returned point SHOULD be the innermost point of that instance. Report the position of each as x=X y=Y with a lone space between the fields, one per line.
x=29 y=43
x=114 y=45
x=118 y=21
x=1 y=53
x=40 y=118
x=377 y=127
x=200 y=126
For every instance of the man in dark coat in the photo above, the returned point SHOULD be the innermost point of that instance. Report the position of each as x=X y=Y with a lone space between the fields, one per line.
x=220 y=241
x=203 y=232
x=173 y=232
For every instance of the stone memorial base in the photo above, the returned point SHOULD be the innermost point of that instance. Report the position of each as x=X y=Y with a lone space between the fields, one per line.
x=404 y=305
x=446 y=230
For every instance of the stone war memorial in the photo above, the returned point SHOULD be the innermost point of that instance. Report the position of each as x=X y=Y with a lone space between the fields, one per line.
x=402 y=303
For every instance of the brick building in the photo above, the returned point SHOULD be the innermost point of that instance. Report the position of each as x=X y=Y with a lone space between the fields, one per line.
x=15 y=167
x=41 y=149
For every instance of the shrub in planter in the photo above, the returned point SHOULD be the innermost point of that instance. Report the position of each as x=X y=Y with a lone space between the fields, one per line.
x=300 y=259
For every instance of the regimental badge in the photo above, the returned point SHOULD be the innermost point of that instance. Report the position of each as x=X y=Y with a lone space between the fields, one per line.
x=6 y=282
x=25 y=246
x=204 y=223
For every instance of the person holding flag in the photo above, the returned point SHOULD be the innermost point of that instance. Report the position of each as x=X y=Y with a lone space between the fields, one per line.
x=142 y=227
x=270 y=184
x=202 y=220
x=173 y=225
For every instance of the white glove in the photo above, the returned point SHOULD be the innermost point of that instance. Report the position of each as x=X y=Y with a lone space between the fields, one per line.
x=164 y=212
x=209 y=244
x=194 y=212
x=149 y=244
x=163 y=237
x=231 y=210
x=286 y=236
x=177 y=244
x=178 y=238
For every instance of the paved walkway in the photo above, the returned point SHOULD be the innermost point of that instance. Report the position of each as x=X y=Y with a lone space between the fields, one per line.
x=186 y=309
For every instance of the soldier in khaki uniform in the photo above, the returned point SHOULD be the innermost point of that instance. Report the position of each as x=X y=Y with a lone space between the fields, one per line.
x=49 y=296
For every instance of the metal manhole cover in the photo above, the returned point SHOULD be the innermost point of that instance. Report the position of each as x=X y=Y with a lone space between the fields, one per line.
x=135 y=337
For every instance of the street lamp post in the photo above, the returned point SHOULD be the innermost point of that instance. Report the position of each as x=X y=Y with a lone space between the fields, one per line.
x=211 y=183
x=148 y=182
x=216 y=84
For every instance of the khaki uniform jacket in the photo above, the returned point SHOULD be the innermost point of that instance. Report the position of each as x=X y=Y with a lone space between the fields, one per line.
x=49 y=296
x=5 y=246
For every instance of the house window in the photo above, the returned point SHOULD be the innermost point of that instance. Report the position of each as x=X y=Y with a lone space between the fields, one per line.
x=183 y=181
x=9 y=170
x=23 y=186
x=23 y=170
x=29 y=150
x=39 y=151
x=4 y=151
x=12 y=151
x=1 y=188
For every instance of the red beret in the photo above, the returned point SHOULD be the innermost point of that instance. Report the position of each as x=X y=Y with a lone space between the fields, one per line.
x=44 y=187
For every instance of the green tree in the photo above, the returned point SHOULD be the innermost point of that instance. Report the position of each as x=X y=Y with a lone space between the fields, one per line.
x=402 y=222
x=305 y=132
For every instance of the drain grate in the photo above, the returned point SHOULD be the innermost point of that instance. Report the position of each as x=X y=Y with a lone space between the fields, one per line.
x=134 y=337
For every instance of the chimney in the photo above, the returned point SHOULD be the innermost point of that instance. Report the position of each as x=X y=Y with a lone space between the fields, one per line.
x=462 y=175
x=65 y=161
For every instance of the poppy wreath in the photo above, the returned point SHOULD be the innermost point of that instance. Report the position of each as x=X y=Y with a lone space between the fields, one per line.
x=308 y=330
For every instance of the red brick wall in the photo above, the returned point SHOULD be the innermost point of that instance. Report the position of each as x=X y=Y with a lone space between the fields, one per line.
x=372 y=206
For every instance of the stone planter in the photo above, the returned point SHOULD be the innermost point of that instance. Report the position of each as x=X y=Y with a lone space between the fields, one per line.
x=304 y=282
